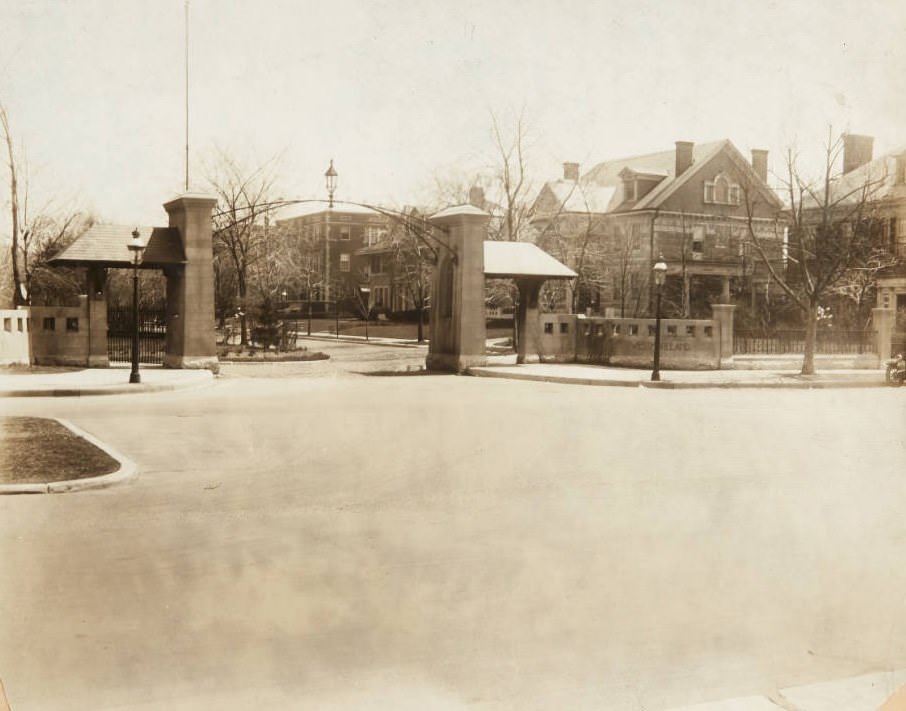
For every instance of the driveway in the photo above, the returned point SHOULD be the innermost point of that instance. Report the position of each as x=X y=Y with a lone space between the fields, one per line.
x=346 y=541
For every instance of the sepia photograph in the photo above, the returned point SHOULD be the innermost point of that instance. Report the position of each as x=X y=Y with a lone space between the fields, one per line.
x=499 y=356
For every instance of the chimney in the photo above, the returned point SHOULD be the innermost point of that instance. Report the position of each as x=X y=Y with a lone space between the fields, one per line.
x=476 y=196
x=683 y=157
x=856 y=151
x=571 y=172
x=760 y=163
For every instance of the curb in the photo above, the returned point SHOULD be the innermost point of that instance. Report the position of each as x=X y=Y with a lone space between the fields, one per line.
x=675 y=385
x=105 y=390
x=127 y=471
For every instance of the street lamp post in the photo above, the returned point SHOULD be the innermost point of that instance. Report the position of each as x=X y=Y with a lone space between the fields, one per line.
x=330 y=177
x=330 y=181
x=136 y=247
x=366 y=305
x=660 y=276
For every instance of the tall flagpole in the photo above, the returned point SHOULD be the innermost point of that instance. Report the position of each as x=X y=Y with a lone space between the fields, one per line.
x=187 y=95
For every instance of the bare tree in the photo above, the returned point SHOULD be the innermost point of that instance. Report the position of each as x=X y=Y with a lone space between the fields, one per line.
x=20 y=296
x=857 y=286
x=239 y=224
x=577 y=240
x=630 y=280
x=37 y=236
x=829 y=233
x=414 y=258
x=302 y=261
x=511 y=178
x=45 y=236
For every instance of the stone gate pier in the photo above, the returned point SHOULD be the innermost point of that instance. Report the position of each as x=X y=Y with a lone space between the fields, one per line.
x=183 y=250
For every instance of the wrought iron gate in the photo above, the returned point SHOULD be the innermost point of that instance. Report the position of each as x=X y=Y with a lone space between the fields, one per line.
x=151 y=337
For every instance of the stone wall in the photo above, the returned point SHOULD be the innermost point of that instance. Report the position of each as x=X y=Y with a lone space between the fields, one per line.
x=685 y=343
x=14 y=337
x=557 y=338
x=60 y=334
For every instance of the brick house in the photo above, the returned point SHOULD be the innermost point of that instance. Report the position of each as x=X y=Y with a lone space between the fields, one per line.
x=690 y=204
x=363 y=249
x=884 y=178
x=334 y=262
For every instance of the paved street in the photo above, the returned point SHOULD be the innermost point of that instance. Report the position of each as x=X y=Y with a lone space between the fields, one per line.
x=303 y=536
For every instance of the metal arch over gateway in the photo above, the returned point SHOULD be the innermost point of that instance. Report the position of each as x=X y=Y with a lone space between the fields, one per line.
x=458 y=332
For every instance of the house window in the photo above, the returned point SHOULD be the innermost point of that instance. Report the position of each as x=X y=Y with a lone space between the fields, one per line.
x=344 y=262
x=564 y=328
x=50 y=323
x=548 y=327
x=633 y=329
x=690 y=331
x=671 y=330
x=7 y=324
x=377 y=266
x=709 y=331
x=375 y=234
x=721 y=191
x=698 y=242
x=21 y=324
x=72 y=324
x=344 y=233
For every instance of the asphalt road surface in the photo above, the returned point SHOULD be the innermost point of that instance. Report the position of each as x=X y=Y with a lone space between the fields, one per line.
x=307 y=537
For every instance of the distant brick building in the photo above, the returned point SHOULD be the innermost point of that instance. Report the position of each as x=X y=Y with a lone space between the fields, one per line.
x=691 y=205
x=335 y=263
x=350 y=248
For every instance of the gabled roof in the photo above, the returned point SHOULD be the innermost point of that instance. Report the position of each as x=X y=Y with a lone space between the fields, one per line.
x=108 y=246
x=582 y=196
x=700 y=156
x=878 y=177
x=663 y=162
x=515 y=259
x=605 y=181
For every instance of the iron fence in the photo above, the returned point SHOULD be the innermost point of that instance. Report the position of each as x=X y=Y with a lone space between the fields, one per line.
x=836 y=342
x=151 y=337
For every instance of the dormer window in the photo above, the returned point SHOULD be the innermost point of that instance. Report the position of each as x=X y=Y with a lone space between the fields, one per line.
x=638 y=183
x=721 y=191
x=629 y=190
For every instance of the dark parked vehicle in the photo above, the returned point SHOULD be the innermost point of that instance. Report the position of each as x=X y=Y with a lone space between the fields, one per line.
x=896 y=371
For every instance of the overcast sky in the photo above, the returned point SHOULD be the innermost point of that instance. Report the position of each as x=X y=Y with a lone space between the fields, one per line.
x=400 y=92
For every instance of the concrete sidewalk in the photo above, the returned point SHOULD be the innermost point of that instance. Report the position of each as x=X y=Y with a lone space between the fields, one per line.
x=97 y=381
x=579 y=374
x=881 y=691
